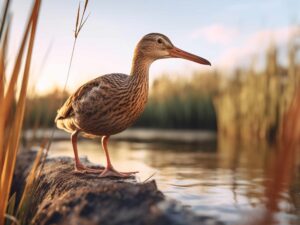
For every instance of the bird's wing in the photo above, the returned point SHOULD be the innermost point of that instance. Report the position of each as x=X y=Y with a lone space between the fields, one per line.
x=67 y=108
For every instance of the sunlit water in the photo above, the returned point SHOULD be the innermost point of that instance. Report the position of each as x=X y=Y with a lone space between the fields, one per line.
x=225 y=180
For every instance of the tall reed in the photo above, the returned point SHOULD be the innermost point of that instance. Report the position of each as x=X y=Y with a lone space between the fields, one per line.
x=12 y=106
x=282 y=167
x=80 y=21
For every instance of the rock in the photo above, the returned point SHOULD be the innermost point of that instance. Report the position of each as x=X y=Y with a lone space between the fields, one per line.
x=62 y=196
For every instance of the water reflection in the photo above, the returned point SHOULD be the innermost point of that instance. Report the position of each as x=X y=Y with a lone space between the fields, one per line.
x=225 y=181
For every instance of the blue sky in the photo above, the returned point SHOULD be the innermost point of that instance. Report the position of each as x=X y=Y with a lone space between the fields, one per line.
x=226 y=32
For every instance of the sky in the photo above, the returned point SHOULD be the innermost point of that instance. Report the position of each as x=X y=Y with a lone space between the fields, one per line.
x=226 y=32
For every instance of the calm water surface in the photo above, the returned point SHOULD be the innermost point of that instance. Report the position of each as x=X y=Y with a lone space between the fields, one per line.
x=223 y=180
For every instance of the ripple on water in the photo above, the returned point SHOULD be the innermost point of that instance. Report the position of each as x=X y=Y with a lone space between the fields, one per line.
x=214 y=183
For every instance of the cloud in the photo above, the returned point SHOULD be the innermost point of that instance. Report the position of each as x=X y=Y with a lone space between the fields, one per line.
x=216 y=34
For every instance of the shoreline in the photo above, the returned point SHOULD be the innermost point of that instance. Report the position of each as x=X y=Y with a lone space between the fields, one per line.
x=138 y=135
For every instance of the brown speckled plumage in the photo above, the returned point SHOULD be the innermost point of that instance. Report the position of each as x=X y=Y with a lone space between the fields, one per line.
x=111 y=103
x=104 y=106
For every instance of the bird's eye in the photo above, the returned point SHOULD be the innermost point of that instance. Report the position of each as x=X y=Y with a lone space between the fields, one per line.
x=159 y=40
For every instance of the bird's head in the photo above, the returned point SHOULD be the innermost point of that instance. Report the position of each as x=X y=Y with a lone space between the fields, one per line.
x=158 y=46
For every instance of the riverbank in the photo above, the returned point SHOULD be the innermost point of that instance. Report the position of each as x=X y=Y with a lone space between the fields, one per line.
x=138 y=135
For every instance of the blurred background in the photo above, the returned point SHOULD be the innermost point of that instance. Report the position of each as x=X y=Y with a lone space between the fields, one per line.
x=208 y=134
x=252 y=47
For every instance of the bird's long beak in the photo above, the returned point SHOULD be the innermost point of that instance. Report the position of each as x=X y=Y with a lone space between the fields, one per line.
x=178 y=53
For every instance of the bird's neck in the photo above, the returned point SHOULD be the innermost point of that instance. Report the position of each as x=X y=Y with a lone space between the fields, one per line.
x=140 y=67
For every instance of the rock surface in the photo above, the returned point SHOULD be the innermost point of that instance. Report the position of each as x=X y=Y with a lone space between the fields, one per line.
x=62 y=196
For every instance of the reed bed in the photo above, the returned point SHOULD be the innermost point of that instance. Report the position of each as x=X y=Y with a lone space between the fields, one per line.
x=181 y=104
x=12 y=105
x=253 y=104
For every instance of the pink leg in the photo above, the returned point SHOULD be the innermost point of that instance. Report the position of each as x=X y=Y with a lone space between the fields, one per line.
x=109 y=171
x=78 y=165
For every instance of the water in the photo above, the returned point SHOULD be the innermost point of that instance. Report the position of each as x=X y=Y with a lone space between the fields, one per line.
x=225 y=180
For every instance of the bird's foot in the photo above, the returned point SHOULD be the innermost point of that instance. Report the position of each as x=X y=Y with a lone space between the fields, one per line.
x=111 y=172
x=79 y=168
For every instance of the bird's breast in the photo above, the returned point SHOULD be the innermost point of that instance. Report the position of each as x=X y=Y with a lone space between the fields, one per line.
x=130 y=107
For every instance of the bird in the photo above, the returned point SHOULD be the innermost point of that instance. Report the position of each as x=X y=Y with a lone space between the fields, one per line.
x=111 y=103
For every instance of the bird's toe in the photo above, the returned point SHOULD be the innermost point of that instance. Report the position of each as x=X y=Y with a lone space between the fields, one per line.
x=110 y=172
x=79 y=168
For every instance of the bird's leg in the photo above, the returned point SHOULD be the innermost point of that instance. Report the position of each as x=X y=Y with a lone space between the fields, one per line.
x=79 y=167
x=109 y=171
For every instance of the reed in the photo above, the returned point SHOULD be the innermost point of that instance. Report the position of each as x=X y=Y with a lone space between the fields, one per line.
x=80 y=21
x=282 y=166
x=12 y=106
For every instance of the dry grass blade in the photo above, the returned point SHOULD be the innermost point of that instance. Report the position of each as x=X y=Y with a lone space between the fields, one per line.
x=2 y=75
x=16 y=69
x=12 y=218
x=31 y=178
x=152 y=175
x=2 y=83
x=6 y=36
x=2 y=89
x=82 y=20
x=85 y=4
x=82 y=24
x=10 y=150
x=77 y=21
x=4 y=16
x=77 y=31
x=11 y=205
